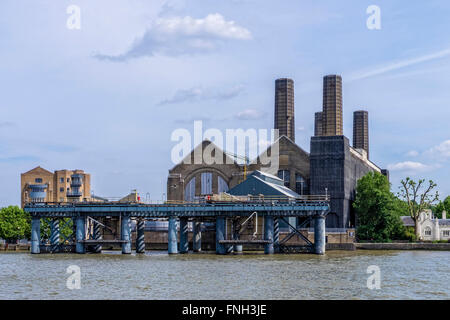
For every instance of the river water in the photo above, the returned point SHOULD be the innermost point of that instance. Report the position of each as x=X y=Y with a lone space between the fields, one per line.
x=155 y=275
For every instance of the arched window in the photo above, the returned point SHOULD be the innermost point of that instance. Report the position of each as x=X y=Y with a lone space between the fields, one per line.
x=428 y=231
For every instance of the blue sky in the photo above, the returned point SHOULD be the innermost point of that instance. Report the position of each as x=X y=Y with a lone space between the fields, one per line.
x=107 y=97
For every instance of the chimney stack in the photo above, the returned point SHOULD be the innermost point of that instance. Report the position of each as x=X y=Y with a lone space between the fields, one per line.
x=284 y=108
x=361 y=130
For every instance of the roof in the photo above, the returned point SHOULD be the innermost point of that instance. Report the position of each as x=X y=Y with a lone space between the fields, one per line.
x=444 y=222
x=407 y=221
x=226 y=160
x=255 y=185
x=38 y=169
x=282 y=189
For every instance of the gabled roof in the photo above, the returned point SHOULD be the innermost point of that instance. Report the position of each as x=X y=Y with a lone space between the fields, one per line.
x=285 y=139
x=38 y=169
x=203 y=145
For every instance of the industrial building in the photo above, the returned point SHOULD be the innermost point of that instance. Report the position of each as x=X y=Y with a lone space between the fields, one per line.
x=332 y=167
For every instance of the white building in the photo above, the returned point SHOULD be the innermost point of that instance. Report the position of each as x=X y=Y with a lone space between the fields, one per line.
x=429 y=227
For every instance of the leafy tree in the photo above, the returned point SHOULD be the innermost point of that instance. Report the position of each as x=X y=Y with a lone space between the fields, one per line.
x=14 y=223
x=377 y=210
x=441 y=206
x=65 y=228
x=417 y=200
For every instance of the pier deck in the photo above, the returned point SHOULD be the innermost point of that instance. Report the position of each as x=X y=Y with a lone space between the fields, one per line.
x=86 y=219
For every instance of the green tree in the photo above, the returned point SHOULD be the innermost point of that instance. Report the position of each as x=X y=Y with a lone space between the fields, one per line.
x=417 y=197
x=376 y=208
x=14 y=223
x=441 y=206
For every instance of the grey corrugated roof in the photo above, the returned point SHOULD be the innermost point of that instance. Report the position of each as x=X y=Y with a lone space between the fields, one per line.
x=284 y=190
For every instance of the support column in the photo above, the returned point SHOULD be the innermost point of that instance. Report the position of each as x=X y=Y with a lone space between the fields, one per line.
x=184 y=240
x=268 y=234
x=126 y=234
x=35 y=235
x=276 y=235
x=197 y=236
x=236 y=236
x=140 y=236
x=97 y=236
x=172 y=235
x=54 y=235
x=80 y=232
x=319 y=234
x=220 y=235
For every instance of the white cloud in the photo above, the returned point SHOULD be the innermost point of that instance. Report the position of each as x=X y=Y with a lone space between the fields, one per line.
x=199 y=93
x=183 y=35
x=409 y=166
x=441 y=151
x=412 y=153
x=250 y=114
x=399 y=65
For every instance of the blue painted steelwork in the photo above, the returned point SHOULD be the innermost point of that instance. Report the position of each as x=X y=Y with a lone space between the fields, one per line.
x=172 y=236
x=54 y=235
x=319 y=234
x=35 y=235
x=276 y=235
x=80 y=234
x=276 y=209
x=97 y=236
x=184 y=244
x=197 y=236
x=236 y=236
x=220 y=235
x=268 y=234
x=140 y=237
x=126 y=234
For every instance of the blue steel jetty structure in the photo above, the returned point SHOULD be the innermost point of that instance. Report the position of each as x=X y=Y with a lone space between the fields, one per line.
x=86 y=221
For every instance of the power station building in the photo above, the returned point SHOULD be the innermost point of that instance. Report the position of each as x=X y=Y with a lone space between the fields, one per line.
x=332 y=167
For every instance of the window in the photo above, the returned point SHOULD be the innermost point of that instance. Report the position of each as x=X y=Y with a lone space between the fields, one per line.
x=38 y=180
x=206 y=183
x=285 y=175
x=222 y=185
x=300 y=184
x=61 y=189
x=189 y=191
x=68 y=179
x=446 y=233
x=428 y=231
x=61 y=180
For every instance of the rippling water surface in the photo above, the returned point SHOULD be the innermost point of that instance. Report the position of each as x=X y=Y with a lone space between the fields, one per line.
x=155 y=275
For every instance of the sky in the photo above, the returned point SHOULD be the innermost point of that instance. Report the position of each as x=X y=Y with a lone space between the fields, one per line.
x=107 y=96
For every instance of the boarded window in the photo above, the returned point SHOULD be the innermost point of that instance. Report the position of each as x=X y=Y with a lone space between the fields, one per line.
x=189 y=191
x=206 y=183
x=222 y=185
